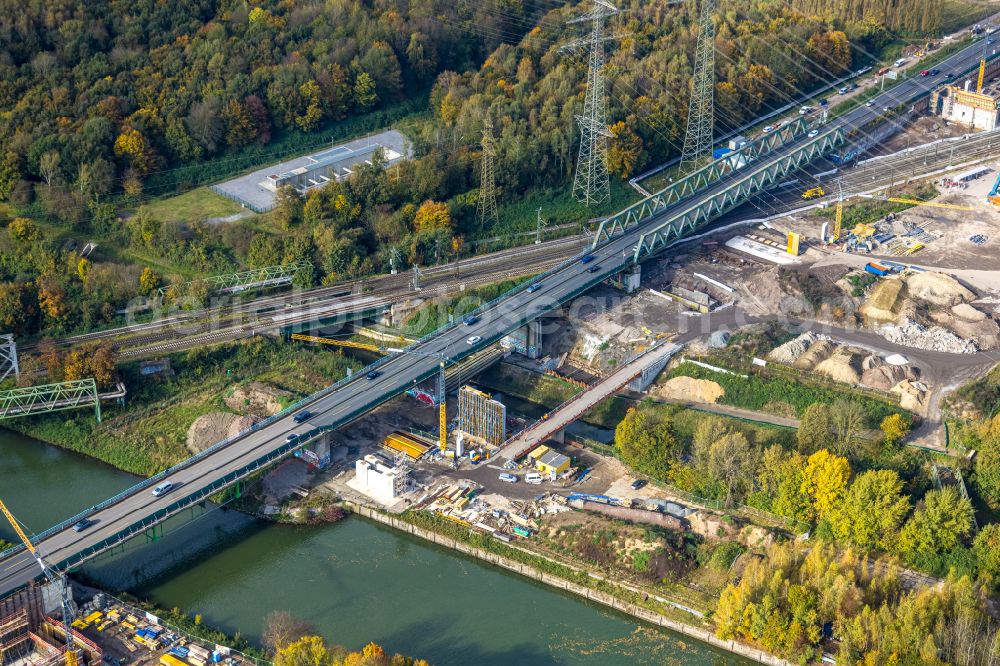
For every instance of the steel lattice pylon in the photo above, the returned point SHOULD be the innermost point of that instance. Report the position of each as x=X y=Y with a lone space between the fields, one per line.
x=701 y=109
x=8 y=357
x=487 y=207
x=590 y=184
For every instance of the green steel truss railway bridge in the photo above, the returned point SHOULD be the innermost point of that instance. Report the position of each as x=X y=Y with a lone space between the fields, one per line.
x=623 y=241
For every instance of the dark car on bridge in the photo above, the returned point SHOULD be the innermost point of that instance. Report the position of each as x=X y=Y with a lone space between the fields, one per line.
x=374 y=374
x=83 y=524
x=302 y=416
x=593 y=269
x=470 y=320
x=586 y=259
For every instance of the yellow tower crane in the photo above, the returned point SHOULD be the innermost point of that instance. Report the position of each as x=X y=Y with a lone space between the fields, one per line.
x=982 y=68
x=67 y=618
x=838 y=220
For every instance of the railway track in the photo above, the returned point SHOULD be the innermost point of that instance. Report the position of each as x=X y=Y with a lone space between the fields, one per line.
x=216 y=332
x=182 y=330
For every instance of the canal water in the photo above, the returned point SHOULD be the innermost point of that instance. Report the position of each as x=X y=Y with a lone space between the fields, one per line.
x=355 y=581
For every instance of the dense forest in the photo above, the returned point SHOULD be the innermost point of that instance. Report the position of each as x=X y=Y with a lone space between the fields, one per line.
x=100 y=100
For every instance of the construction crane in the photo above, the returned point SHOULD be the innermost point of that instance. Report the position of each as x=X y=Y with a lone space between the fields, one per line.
x=838 y=220
x=982 y=68
x=54 y=577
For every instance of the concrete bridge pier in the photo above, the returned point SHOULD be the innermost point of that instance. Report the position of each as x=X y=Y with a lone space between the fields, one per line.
x=628 y=280
x=526 y=340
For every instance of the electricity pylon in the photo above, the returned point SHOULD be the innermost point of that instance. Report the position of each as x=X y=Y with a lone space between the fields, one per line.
x=701 y=109
x=487 y=207
x=590 y=184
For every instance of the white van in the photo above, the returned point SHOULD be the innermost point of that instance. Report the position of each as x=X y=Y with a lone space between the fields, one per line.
x=163 y=488
x=533 y=478
x=899 y=62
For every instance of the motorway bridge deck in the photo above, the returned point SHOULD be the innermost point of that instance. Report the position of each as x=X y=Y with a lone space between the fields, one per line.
x=227 y=462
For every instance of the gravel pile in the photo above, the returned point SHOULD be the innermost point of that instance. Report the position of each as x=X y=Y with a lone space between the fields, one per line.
x=789 y=352
x=935 y=338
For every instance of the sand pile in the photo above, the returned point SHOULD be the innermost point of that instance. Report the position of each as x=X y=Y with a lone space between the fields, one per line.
x=215 y=427
x=688 y=389
x=883 y=301
x=257 y=398
x=839 y=367
x=816 y=354
x=937 y=289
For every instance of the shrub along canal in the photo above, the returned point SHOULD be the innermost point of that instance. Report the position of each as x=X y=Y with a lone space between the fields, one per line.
x=356 y=581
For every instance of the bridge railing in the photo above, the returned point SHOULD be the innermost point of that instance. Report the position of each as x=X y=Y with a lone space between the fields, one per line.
x=752 y=180
x=697 y=180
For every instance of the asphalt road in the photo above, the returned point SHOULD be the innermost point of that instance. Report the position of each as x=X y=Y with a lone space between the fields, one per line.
x=400 y=372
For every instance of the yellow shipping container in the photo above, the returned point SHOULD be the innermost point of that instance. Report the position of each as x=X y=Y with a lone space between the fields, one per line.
x=170 y=660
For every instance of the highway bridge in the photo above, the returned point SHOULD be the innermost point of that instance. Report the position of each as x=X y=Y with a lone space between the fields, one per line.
x=625 y=240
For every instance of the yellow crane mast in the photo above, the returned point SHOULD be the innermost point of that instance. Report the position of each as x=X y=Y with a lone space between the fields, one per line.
x=71 y=656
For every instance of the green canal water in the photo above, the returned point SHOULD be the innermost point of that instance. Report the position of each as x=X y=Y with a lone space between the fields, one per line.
x=355 y=581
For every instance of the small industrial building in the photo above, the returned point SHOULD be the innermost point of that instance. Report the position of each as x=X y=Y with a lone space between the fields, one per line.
x=335 y=164
x=960 y=103
x=378 y=480
x=548 y=461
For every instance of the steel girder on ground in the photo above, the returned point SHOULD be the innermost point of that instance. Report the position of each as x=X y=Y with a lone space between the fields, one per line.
x=50 y=398
x=754 y=180
x=711 y=173
x=269 y=276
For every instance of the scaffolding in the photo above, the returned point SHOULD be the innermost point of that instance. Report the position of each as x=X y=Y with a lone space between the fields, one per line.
x=480 y=417
x=15 y=638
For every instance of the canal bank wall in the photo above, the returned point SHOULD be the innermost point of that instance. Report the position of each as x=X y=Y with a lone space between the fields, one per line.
x=603 y=598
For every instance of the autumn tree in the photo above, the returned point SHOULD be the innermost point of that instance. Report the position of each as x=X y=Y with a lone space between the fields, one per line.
x=240 y=126
x=51 y=359
x=149 y=281
x=871 y=511
x=624 y=150
x=101 y=362
x=23 y=229
x=987 y=476
x=365 y=96
x=75 y=365
x=432 y=216
x=987 y=550
x=847 y=418
x=281 y=628
x=814 y=428
x=939 y=524
x=305 y=651
x=824 y=479
x=288 y=204
x=16 y=308
x=645 y=441
x=894 y=428
x=732 y=460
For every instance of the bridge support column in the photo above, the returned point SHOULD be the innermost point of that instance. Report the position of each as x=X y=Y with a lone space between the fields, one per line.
x=630 y=278
x=154 y=533
x=534 y=339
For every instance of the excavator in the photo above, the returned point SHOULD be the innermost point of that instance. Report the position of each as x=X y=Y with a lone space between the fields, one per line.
x=993 y=197
x=72 y=658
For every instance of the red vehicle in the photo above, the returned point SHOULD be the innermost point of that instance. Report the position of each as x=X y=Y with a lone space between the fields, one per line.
x=882 y=71
x=926 y=72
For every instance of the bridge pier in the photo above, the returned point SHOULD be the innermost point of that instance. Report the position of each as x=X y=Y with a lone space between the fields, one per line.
x=630 y=278
x=526 y=340
x=153 y=534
